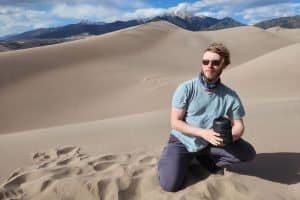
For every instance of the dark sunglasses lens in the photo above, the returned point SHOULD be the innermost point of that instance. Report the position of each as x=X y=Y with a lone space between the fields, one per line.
x=215 y=62
x=205 y=62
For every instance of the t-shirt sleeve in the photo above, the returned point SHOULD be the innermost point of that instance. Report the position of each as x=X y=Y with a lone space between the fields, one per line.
x=180 y=97
x=237 y=109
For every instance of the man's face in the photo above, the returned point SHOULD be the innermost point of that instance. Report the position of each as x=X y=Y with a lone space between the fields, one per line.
x=212 y=66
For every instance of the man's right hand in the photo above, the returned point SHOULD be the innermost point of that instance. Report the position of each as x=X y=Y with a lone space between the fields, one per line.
x=177 y=122
x=213 y=138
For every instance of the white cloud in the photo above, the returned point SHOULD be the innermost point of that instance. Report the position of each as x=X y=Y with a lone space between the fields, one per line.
x=143 y=13
x=14 y=19
x=215 y=14
x=254 y=15
x=86 y=11
x=103 y=10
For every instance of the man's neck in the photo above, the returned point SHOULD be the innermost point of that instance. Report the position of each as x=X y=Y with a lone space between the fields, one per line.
x=213 y=84
x=211 y=81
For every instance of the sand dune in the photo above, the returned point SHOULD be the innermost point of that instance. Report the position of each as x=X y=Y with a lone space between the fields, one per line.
x=271 y=76
x=113 y=101
x=247 y=42
x=85 y=80
x=291 y=34
x=119 y=134
x=3 y=48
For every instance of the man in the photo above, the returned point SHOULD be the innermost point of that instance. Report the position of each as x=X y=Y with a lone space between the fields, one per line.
x=195 y=104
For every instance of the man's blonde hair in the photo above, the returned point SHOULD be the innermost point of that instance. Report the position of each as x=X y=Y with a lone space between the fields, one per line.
x=221 y=50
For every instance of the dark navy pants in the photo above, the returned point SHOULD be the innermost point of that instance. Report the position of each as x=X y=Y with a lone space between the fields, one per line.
x=175 y=159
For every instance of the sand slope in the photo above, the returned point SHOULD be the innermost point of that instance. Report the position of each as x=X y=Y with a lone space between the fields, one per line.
x=84 y=80
x=247 y=42
x=3 y=48
x=291 y=34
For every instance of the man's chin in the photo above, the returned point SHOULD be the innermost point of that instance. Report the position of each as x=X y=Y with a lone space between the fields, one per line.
x=209 y=78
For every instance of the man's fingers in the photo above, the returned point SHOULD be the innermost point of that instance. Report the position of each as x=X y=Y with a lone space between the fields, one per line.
x=219 y=139
x=216 y=134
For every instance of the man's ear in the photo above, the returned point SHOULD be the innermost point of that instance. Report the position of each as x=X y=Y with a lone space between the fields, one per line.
x=223 y=64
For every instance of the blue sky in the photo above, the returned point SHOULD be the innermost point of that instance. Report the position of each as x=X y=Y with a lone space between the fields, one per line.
x=22 y=15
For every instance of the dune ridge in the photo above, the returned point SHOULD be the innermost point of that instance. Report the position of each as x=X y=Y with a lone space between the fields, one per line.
x=291 y=34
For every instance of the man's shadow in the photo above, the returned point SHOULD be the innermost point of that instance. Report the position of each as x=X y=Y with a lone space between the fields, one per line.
x=277 y=167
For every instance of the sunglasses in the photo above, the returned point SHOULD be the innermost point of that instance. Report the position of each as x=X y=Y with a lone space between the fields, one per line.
x=212 y=62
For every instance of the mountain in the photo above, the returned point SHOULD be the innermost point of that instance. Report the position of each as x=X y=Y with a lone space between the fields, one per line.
x=193 y=23
x=47 y=36
x=284 y=22
x=189 y=22
x=227 y=22
x=74 y=30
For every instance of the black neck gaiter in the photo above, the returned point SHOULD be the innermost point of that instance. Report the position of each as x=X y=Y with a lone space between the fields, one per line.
x=208 y=86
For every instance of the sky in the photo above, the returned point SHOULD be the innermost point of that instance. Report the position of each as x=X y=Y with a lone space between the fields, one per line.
x=17 y=16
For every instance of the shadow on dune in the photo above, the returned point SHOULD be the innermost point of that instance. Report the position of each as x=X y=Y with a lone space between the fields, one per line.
x=281 y=167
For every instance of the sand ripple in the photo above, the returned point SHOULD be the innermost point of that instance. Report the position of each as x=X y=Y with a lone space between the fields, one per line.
x=68 y=173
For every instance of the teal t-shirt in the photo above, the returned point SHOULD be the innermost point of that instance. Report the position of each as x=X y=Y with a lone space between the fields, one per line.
x=203 y=107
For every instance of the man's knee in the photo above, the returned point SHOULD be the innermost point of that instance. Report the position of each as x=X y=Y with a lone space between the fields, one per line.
x=170 y=184
x=250 y=154
x=170 y=176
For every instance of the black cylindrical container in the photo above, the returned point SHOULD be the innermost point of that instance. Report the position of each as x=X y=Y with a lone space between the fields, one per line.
x=223 y=126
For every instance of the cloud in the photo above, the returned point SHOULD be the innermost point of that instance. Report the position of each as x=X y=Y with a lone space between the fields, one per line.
x=235 y=4
x=254 y=15
x=215 y=14
x=13 y=19
x=105 y=12
x=86 y=11
x=112 y=3
x=143 y=13
x=17 y=16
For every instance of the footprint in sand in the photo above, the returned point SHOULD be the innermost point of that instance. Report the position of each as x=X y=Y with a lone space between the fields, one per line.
x=20 y=178
x=106 y=175
x=138 y=172
x=148 y=160
x=58 y=157
x=57 y=153
x=154 y=82
x=11 y=194
x=104 y=161
x=104 y=165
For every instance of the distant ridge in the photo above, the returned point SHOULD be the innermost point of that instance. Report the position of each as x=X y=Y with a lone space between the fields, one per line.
x=284 y=22
x=195 y=23
x=189 y=22
x=73 y=30
x=47 y=36
x=227 y=22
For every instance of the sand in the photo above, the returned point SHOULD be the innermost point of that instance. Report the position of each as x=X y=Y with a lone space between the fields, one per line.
x=88 y=119
x=291 y=34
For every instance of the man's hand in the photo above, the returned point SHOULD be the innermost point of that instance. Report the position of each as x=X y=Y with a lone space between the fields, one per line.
x=213 y=138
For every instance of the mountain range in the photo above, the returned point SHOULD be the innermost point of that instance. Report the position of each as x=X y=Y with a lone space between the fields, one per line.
x=192 y=23
x=285 y=22
x=46 y=36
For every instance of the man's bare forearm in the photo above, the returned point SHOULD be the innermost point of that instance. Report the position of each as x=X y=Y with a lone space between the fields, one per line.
x=187 y=129
x=207 y=134
x=237 y=131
